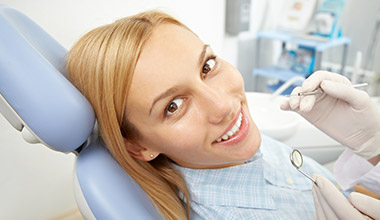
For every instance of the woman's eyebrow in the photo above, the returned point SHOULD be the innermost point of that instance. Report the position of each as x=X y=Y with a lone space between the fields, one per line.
x=203 y=54
x=163 y=95
x=176 y=88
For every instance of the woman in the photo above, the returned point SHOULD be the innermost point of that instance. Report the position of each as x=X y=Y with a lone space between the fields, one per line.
x=176 y=118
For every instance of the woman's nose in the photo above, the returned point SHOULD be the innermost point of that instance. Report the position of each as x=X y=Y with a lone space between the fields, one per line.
x=217 y=104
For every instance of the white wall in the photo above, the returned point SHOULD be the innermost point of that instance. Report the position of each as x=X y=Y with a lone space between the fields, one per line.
x=36 y=182
x=67 y=20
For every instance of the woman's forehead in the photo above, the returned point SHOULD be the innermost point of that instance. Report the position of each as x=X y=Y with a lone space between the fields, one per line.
x=168 y=42
x=168 y=52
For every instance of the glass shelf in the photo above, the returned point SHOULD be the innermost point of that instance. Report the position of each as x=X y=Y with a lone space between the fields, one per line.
x=277 y=73
x=316 y=42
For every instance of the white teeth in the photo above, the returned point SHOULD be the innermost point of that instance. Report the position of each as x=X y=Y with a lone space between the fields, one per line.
x=233 y=130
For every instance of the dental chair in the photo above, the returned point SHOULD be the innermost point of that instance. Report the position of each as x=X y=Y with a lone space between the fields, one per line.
x=38 y=100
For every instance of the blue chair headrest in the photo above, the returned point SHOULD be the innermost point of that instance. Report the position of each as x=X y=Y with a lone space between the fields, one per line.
x=34 y=92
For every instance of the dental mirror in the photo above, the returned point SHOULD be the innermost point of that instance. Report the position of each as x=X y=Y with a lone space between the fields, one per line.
x=297 y=161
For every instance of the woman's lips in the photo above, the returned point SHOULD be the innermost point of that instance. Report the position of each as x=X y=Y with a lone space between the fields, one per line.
x=240 y=134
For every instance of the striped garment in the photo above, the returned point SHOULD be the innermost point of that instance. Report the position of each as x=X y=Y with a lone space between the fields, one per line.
x=265 y=187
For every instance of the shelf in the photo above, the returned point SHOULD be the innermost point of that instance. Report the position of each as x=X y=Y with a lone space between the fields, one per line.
x=318 y=43
x=274 y=87
x=277 y=73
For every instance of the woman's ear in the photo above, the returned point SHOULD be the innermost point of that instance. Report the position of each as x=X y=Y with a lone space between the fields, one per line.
x=139 y=152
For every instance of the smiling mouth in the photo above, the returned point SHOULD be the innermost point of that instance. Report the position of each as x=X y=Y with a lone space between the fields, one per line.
x=231 y=133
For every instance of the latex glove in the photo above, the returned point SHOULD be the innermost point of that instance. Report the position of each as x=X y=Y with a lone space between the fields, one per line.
x=342 y=112
x=366 y=204
x=330 y=203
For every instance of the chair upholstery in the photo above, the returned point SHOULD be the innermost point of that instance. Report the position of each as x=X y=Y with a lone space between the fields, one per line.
x=36 y=96
x=110 y=193
x=33 y=84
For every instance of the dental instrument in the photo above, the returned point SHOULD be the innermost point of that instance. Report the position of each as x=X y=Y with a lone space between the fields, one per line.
x=297 y=161
x=319 y=91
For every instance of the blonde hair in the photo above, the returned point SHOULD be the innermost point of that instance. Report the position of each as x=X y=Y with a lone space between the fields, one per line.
x=101 y=65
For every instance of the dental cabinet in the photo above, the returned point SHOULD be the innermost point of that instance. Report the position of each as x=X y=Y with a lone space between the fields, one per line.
x=314 y=45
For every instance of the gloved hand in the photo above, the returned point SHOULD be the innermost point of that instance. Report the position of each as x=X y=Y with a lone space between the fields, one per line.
x=342 y=112
x=330 y=203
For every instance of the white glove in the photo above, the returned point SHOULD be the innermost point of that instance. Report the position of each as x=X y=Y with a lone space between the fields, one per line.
x=330 y=203
x=342 y=112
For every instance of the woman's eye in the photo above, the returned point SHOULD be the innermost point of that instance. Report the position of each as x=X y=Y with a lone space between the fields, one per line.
x=210 y=63
x=173 y=106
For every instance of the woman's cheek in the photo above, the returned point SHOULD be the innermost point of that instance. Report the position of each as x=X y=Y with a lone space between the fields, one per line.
x=186 y=134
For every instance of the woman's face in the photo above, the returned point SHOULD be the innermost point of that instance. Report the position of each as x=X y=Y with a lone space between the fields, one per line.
x=189 y=104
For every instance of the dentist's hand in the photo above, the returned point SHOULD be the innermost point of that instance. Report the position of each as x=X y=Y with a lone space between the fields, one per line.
x=342 y=112
x=331 y=204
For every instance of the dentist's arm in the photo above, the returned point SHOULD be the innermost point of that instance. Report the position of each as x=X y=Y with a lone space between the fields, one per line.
x=342 y=112
x=330 y=203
